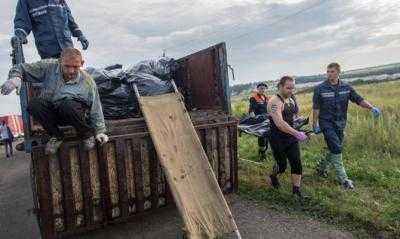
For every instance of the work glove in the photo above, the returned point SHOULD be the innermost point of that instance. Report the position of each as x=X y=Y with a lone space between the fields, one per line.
x=301 y=136
x=21 y=36
x=10 y=85
x=102 y=138
x=84 y=42
x=252 y=115
x=316 y=129
x=376 y=112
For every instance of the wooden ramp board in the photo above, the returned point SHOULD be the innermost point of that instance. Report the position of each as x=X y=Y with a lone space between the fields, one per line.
x=189 y=174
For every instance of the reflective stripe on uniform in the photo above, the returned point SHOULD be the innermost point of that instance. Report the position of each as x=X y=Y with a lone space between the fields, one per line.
x=32 y=11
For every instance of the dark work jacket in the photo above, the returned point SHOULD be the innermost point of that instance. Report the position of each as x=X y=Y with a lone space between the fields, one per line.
x=332 y=102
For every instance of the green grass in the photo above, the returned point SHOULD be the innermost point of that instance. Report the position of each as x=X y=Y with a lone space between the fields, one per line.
x=371 y=158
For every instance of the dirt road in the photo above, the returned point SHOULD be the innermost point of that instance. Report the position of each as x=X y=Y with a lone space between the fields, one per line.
x=255 y=221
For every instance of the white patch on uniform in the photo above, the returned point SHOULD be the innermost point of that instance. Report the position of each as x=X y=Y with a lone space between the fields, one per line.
x=327 y=94
x=344 y=92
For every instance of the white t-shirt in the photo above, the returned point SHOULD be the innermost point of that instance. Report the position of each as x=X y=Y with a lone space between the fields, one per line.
x=4 y=132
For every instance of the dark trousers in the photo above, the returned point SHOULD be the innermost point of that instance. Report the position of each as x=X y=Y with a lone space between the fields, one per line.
x=263 y=143
x=284 y=152
x=68 y=112
x=8 y=147
x=334 y=139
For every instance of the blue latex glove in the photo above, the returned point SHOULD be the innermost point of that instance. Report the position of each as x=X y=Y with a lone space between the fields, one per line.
x=316 y=129
x=376 y=112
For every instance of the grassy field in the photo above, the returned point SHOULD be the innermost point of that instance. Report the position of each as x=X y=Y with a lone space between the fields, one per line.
x=371 y=158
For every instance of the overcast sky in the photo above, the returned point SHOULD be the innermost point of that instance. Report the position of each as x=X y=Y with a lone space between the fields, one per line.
x=262 y=42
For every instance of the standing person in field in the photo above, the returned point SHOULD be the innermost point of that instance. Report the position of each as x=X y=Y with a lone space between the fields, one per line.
x=7 y=137
x=330 y=102
x=69 y=97
x=284 y=139
x=258 y=106
x=52 y=25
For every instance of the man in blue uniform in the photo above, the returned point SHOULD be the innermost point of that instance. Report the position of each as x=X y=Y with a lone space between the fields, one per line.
x=52 y=25
x=330 y=103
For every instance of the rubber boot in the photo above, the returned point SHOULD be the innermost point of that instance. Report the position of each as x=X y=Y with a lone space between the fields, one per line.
x=341 y=175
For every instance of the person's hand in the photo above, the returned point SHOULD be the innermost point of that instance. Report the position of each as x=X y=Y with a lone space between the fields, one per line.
x=252 y=115
x=376 y=112
x=316 y=129
x=10 y=85
x=301 y=136
x=84 y=42
x=102 y=138
x=21 y=37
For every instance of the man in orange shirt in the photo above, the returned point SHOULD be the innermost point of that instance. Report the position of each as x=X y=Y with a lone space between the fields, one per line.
x=258 y=106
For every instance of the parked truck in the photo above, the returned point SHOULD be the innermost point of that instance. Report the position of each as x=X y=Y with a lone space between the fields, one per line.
x=77 y=191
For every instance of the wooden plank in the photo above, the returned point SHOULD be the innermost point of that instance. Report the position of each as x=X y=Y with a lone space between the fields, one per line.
x=194 y=186
x=76 y=184
x=121 y=173
x=234 y=158
x=145 y=163
x=44 y=192
x=130 y=176
x=57 y=192
x=87 y=193
x=104 y=182
x=69 y=207
x=112 y=178
x=137 y=159
x=227 y=161
x=221 y=157
x=154 y=175
x=97 y=213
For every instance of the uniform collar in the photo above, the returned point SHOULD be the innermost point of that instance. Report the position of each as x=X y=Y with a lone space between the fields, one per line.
x=327 y=82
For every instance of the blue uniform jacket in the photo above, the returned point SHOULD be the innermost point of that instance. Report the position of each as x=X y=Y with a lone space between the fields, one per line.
x=333 y=101
x=50 y=21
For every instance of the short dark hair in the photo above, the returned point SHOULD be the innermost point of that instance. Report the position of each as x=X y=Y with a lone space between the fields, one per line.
x=262 y=84
x=334 y=65
x=283 y=80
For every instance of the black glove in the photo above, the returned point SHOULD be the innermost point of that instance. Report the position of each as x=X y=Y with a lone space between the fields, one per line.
x=21 y=36
x=84 y=42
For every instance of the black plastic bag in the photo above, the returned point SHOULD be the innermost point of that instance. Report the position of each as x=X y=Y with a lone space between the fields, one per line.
x=116 y=97
x=115 y=85
x=260 y=125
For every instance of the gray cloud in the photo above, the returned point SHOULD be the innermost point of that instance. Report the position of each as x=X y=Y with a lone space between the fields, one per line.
x=355 y=33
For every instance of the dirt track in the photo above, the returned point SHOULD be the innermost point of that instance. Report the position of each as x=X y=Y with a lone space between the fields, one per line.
x=255 y=221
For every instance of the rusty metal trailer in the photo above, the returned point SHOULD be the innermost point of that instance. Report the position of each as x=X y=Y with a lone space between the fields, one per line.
x=78 y=191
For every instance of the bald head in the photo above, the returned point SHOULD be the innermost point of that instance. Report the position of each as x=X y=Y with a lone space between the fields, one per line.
x=71 y=61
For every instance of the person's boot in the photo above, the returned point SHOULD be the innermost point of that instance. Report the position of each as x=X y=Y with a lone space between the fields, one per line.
x=89 y=143
x=322 y=165
x=341 y=175
x=348 y=184
x=296 y=192
x=274 y=181
x=262 y=155
x=53 y=145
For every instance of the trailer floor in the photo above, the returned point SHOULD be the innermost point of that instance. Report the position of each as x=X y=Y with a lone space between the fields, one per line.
x=254 y=221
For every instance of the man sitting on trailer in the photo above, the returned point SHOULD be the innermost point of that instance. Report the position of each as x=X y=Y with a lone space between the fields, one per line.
x=68 y=96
